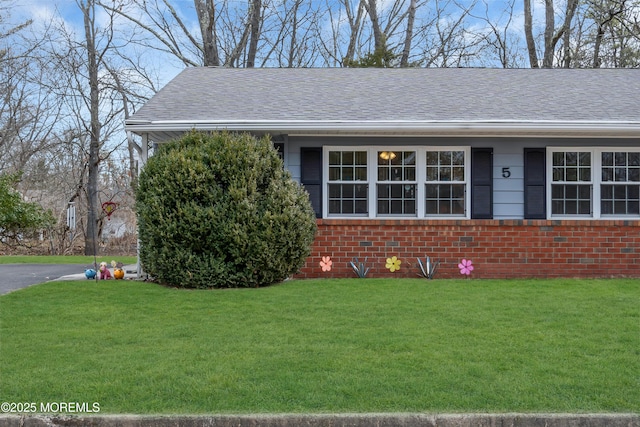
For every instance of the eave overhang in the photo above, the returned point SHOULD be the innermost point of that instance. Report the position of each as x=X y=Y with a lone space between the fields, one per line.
x=162 y=130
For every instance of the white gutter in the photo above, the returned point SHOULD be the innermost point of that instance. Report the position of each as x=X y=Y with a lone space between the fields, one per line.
x=452 y=128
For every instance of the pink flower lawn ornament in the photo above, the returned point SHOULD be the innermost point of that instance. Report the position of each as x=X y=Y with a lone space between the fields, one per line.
x=466 y=266
x=326 y=263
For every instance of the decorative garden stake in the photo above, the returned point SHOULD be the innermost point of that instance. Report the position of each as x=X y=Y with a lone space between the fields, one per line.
x=360 y=268
x=393 y=263
x=428 y=268
x=90 y=273
x=326 y=263
x=466 y=266
x=108 y=208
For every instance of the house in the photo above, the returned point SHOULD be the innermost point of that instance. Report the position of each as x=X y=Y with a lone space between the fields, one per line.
x=528 y=173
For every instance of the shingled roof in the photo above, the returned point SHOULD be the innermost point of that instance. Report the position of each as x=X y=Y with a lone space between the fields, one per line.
x=445 y=101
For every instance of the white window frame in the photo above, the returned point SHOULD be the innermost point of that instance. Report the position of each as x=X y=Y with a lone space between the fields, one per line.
x=596 y=181
x=372 y=180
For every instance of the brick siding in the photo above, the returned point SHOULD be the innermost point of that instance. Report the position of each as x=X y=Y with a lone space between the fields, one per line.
x=498 y=248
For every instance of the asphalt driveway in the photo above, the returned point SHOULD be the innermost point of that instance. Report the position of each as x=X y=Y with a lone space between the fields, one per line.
x=17 y=276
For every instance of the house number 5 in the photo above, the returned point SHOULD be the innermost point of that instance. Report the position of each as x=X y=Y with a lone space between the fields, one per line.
x=506 y=173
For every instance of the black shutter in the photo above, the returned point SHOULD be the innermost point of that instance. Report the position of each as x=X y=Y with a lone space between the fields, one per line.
x=311 y=176
x=482 y=183
x=535 y=183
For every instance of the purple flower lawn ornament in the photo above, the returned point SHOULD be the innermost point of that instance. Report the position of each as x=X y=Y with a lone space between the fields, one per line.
x=466 y=266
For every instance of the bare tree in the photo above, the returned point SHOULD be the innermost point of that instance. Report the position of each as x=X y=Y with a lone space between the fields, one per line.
x=206 y=18
x=411 y=17
x=551 y=34
x=497 y=38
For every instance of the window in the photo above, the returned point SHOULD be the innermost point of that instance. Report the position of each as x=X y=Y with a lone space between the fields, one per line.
x=348 y=188
x=400 y=182
x=445 y=186
x=571 y=191
x=619 y=194
x=396 y=183
x=594 y=182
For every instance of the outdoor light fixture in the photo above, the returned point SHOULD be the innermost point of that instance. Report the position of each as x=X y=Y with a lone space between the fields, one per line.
x=387 y=155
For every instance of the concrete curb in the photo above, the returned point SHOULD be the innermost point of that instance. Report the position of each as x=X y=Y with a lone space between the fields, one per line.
x=328 y=420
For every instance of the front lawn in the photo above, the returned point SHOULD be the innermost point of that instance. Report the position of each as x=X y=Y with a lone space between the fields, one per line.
x=333 y=345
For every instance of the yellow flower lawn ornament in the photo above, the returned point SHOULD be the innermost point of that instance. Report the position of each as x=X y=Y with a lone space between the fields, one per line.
x=393 y=263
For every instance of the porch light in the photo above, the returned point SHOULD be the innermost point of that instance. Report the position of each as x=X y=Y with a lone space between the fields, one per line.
x=387 y=155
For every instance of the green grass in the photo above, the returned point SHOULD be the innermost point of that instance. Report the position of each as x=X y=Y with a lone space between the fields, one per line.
x=343 y=345
x=63 y=259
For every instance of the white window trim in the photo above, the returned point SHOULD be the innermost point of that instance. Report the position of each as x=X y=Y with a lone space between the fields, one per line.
x=421 y=176
x=596 y=181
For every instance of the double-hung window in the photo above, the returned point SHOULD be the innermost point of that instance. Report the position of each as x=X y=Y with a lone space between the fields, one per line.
x=348 y=183
x=594 y=182
x=398 y=182
x=396 y=185
x=620 y=187
x=446 y=183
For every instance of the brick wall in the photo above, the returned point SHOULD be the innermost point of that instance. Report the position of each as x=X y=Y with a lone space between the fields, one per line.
x=498 y=248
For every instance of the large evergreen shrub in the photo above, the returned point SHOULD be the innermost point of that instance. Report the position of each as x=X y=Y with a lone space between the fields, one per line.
x=218 y=210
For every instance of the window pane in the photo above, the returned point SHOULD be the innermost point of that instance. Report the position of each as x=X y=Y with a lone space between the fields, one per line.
x=409 y=158
x=432 y=157
x=432 y=207
x=607 y=159
x=620 y=159
x=383 y=174
x=458 y=174
x=457 y=158
x=634 y=159
x=634 y=174
x=396 y=199
x=584 y=191
x=558 y=159
x=585 y=159
x=607 y=174
x=445 y=174
x=445 y=157
x=585 y=174
x=571 y=159
x=432 y=174
x=361 y=157
x=334 y=174
x=621 y=174
x=347 y=191
x=347 y=158
x=558 y=174
x=361 y=174
x=584 y=208
x=347 y=173
x=334 y=157
x=410 y=174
